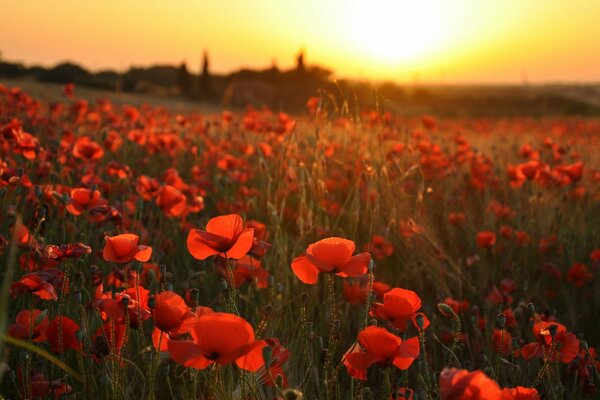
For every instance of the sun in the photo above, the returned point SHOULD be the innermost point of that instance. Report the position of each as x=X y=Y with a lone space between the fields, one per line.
x=394 y=31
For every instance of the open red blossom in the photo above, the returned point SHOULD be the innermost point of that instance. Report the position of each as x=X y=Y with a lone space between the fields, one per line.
x=379 y=346
x=399 y=306
x=84 y=199
x=43 y=284
x=62 y=334
x=171 y=201
x=170 y=311
x=86 y=149
x=460 y=384
x=332 y=255
x=546 y=332
x=486 y=239
x=124 y=248
x=219 y=338
x=520 y=393
x=36 y=320
x=279 y=357
x=224 y=236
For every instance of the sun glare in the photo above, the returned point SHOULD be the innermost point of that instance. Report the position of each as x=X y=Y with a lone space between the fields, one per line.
x=394 y=31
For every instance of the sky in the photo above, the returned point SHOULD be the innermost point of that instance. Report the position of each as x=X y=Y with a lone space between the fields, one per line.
x=430 y=41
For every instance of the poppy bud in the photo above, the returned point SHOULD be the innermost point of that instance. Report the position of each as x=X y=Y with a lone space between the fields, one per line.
x=305 y=297
x=445 y=309
x=37 y=190
x=324 y=355
x=136 y=266
x=373 y=322
x=94 y=187
x=552 y=329
x=195 y=295
x=270 y=280
x=2 y=193
x=169 y=287
x=584 y=345
x=125 y=302
x=531 y=308
x=279 y=380
x=152 y=275
x=151 y=302
x=292 y=394
x=420 y=320
x=223 y=284
x=163 y=270
x=267 y=355
x=78 y=297
x=500 y=321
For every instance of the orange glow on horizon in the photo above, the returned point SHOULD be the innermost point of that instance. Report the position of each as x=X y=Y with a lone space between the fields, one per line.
x=449 y=41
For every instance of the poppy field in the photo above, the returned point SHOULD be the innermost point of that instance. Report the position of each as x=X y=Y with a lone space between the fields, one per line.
x=329 y=255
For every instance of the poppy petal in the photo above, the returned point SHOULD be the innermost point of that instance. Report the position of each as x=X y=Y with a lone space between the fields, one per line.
x=305 y=270
x=358 y=363
x=198 y=247
x=227 y=226
x=406 y=353
x=356 y=265
x=253 y=359
x=188 y=354
x=242 y=245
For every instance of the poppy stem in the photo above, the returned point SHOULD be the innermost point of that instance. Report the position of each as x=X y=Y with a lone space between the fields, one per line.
x=540 y=376
x=231 y=286
x=331 y=340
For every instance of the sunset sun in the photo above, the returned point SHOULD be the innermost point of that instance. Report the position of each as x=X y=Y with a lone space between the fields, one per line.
x=389 y=31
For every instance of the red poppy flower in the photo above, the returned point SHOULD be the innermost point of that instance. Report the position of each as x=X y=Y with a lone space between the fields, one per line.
x=83 y=199
x=62 y=335
x=124 y=248
x=379 y=247
x=399 y=306
x=170 y=311
x=37 y=320
x=546 y=332
x=219 y=338
x=42 y=283
x=579 y=274
x=133 y=301
x=332 y=255
x=520 y=393
x=224 y=236
x=460 y=384
x=379 y=346
x=171 y=201
x=85 y=148
x=248 y=269
x=486 y=239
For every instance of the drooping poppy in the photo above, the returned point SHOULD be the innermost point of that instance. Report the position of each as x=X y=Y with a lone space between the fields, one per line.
x=400 y=306
x=460 y=384
x=124 y=248
x=171 y=201
x=44 y=284
x=379 y=346
x=220 y=338
x=71 y=250
x=330 y=255
x=224 y=236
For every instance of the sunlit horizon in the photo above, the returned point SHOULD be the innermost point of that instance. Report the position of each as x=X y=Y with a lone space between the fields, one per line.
x=429 y=41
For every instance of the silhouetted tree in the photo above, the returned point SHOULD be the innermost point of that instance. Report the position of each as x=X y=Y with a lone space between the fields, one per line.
x=205 y=85
x=300 y=61
x=183 y=80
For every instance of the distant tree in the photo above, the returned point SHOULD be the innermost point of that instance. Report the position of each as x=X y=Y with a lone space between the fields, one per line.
x=300 y=61
x=205 y=83
x=183 y=80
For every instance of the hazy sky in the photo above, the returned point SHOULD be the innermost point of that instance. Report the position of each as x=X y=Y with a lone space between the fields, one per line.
x=434 y=40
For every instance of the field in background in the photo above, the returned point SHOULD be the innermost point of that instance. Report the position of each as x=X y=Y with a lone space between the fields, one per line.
x=490 y=225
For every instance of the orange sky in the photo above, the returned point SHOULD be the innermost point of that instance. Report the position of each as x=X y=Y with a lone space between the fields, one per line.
x=449 y=41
